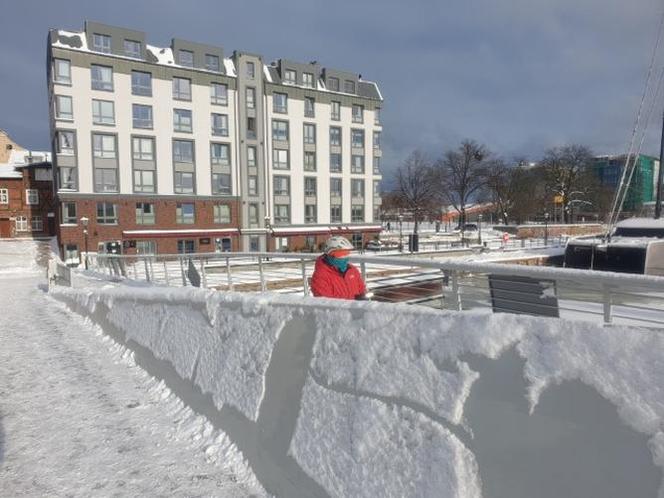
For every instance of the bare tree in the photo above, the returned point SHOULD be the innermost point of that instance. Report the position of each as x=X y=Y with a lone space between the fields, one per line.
x=515 y=191
x=461 y=175
x=415 y=188
x=565 y=171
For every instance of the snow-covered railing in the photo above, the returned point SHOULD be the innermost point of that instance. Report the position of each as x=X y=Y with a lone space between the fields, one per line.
x=59 y=274
x=449 y=284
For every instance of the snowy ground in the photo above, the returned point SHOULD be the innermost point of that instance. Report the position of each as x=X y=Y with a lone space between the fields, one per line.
x=76 y=419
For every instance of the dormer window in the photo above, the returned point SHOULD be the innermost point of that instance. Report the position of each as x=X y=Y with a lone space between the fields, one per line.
x=132 y=49
x=186 y=58
x=101 y=43
x=333 y=84
x=290 y=77
x=349 y=86
x=308 y=80
x=251 y=70
x=212 y=62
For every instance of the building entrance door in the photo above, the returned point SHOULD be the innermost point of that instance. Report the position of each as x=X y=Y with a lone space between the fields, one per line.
x=5 y=228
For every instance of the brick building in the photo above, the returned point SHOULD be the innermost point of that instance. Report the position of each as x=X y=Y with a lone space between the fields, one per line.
x=27 y=206
x=183 y=148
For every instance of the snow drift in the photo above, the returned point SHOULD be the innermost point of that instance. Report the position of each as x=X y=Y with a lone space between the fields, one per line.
x=334 y=398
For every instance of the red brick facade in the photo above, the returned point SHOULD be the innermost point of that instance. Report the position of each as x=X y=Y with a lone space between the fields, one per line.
x=17 y=217
x=167 y=230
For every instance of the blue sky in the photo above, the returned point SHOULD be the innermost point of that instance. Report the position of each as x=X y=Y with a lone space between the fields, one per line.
x=519 y=76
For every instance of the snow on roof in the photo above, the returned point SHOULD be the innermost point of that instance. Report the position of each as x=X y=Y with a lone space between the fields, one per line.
x=163 y=55
x=267 y=74
x=8 y=171
x=24 y=157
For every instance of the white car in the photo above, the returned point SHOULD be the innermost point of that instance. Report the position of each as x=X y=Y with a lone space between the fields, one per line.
x=375 y=245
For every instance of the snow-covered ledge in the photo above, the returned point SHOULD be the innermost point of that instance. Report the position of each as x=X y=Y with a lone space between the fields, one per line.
x=330 y=398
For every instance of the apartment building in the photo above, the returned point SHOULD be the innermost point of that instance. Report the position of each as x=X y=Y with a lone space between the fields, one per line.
x=183 y=149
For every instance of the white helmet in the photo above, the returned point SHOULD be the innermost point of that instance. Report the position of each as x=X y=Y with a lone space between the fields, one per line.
x=337 y=243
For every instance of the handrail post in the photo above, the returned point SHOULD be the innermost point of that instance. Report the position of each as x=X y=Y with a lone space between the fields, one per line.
x=456 y=291
x=135 y=271
x=203 y=274
x=184 y=278
x=147 y=271
x=305 y=284
x=262 y=275
x=168 y=282
x=606 y=304
x=363 y=270
x=228 y=274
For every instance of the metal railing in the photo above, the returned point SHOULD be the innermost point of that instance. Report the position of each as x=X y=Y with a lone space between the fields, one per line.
x=449 y=284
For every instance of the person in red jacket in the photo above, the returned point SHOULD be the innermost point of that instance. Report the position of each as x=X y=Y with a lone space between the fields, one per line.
x=334 y=276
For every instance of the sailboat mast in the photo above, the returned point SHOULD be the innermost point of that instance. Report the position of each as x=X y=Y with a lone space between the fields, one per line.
x=660 y=176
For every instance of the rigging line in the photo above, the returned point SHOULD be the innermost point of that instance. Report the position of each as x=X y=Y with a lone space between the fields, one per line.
x=643 y=136
x=638 y=118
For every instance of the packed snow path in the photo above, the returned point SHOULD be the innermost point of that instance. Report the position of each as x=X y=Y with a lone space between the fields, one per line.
x=76 y=422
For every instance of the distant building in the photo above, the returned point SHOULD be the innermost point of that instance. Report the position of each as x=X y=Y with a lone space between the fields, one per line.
x=183 y=149
x=643 y=187
x=27 y=209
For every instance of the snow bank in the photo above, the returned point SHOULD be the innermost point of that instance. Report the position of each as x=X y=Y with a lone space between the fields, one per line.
x=381 y=406
x=18 y=256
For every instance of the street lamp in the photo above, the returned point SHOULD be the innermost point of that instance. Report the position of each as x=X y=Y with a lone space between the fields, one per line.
x=400 y=218
x=546 y=228
x=479 y=228
x=84 y=222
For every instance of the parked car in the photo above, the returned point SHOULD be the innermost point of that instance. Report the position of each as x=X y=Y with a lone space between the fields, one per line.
x=374 y=245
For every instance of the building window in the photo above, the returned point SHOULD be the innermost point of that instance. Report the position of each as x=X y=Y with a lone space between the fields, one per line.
x=335 y=213
x=103 y=112
x=220 y=154
x=281 y=214
x=251 y=70
x=65 y=143
x=145 y=213
x=290 y=77
x=356 y=214
x=309 y=133
x=357 y=138
x=212 y=62
x=376 y=140
x=349 y=86
x=250 y=97
x=64 y=108
x=308 y=80
x=357 y=240
x=333 y=84
x=21 y=224
x=141 y=83
x=376 y=189
x=219 y=93
x=181 y=88
x=141 y=116
x=253 y=215
x=69 y=213
x=183 y=151
x=376 y=213
x=4 y=196
x=32 y=196
x=184 y=182
x=222 y=214
x=62 y=71
x=253 y=184
x=146 y=247
x=186 y=58
x=376 y=165
x=185 y=213
x=335 y=111
x=103 y=146
x=186 y=246
x=101 y=77
x=251 y=156
x=377 y=116
x=358 y=113
x=182 y=120
x=144 y=181
x=221 y=183
x=335 y=162
x=310 y=213
x=219 y=124
x=143 y=148
x=309 y=161
x=335 y=135
x=107 y=213
x=335 y=187
x=357 y=164
x=251 y=128
x=254 y=243
x=280 y=130
x=280 y=159
x=310 y=186
x=101 y=43
x=106 y=180
x=280 y=102
x=357 y=188
x=132 y=49
x=281 y=185
x=309 y=107
x=67 y=178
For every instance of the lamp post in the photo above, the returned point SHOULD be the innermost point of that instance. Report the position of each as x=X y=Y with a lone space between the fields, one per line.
x=479 y=228
x=84 y=222
x=400 y=217
x=546 y=228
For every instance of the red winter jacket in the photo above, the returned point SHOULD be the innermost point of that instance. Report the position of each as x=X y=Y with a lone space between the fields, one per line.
x=328 y=281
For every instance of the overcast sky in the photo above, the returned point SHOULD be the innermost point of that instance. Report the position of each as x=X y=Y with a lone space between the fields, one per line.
x=517 y=75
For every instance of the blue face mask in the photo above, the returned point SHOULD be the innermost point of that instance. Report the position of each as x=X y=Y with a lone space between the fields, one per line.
x=340 y=264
